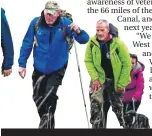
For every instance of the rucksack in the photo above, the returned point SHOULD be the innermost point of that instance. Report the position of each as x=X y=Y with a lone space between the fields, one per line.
x=63 y=13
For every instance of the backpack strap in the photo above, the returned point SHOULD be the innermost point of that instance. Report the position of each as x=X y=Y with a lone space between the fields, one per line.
x=68 y=39
x=35 y=31
x=63 y=13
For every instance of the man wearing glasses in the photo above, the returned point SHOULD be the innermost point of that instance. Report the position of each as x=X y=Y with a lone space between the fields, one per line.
x=51 y=53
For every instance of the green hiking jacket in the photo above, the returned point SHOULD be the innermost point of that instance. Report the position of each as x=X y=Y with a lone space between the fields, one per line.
x=121 y=63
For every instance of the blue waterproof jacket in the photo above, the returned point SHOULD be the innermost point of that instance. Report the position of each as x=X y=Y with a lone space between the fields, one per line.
x=52 y=52
x=6 y=43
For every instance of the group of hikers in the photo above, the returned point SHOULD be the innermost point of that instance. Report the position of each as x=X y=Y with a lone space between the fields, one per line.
x=116 y=75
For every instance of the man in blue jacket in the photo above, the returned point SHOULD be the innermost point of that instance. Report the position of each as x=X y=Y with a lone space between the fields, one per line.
x=7 y=45
x=51 y=53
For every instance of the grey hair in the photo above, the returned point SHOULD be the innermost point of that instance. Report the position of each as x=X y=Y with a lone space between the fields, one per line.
x=101 y=21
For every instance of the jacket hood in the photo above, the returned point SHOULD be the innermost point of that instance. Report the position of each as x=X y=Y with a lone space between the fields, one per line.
x=140 y=67
x=113 y=30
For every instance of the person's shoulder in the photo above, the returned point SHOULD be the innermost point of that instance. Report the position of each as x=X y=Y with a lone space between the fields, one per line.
x=141 y=65
x=33 y=21
x=2 y=11
x=93 y=38
x=93 y=41
x=118 y=41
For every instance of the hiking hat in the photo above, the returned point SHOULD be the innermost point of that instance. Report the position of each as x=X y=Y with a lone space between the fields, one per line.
x=51 y=7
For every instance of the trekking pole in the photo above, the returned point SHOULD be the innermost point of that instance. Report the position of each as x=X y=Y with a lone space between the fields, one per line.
x=81 y=83
x=133 y=104
x=134 y=118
